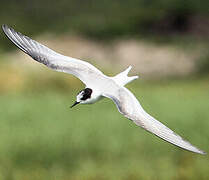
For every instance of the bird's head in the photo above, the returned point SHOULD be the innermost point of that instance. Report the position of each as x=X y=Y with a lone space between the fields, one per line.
x=83 y=97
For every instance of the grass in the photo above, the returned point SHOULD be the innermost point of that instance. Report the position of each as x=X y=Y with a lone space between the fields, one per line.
x=42 y=138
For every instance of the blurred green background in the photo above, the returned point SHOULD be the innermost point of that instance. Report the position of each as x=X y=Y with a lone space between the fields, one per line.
x=166 y=42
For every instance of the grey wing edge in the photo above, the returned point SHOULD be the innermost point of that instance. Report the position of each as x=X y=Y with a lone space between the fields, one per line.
x=34 y=49
x=10 y=33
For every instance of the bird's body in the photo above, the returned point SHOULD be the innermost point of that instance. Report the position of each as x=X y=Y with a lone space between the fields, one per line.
x=98 y=86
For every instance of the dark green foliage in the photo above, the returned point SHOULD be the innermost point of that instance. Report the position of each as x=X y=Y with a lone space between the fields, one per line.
x=203 y=64
x=101 y=18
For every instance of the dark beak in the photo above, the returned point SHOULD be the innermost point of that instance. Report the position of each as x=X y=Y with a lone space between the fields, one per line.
x=74 y=104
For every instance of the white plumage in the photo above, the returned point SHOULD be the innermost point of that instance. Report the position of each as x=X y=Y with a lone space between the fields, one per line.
x=101 y=86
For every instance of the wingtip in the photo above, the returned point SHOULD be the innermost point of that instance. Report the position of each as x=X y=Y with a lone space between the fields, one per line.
x=202 y=152
x=4 y=26
x=199 y=151
x=195 y=150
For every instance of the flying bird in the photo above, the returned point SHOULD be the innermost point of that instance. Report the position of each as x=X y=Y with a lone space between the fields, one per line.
x=98 y=86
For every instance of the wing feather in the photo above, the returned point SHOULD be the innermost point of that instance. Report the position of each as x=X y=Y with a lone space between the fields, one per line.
x=129 y=106
x=81 y=69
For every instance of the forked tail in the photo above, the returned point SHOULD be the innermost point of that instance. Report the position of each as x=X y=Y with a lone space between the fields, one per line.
x=123 y=78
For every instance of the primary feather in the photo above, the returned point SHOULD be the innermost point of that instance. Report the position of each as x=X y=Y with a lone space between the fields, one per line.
x=129 y=106
x=81 y=69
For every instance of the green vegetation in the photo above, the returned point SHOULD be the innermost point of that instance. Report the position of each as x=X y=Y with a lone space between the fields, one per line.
x=107 y=19
x=42 y=138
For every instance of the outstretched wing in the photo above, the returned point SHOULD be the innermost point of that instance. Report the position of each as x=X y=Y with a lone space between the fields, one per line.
x=129 y=106
x=81 y=69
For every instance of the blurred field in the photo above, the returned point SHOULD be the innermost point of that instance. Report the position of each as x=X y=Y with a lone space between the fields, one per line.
x=42 y=138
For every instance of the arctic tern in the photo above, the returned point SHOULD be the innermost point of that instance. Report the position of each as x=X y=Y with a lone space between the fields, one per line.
x=98 y=86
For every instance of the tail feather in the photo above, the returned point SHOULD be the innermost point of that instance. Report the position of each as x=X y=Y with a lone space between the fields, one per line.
x=127 y=71
x=123 y=78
